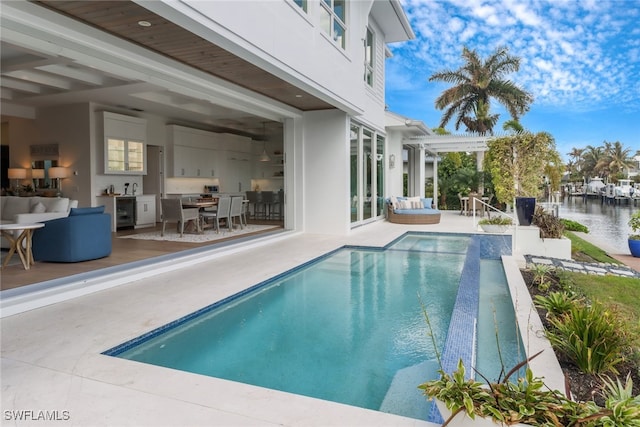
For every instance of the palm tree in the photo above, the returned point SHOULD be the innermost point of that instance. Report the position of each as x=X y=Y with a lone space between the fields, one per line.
x=591 y=158
x=513 y=126
x=574 y=166
x=483 y=122
x=475 y=83
x=618 y=157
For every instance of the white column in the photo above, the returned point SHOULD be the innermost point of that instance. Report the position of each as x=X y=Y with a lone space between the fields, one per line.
x=435 y=180
x=420 y=175
x=479 y=162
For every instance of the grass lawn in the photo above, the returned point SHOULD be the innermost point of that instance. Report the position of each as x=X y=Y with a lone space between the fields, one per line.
x=621 y=294
x=583 y=251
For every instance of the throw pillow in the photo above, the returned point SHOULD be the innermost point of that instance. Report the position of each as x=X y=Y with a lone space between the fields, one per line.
x=416 y=204
x=404 y=204
x=38 y=208
x=86 y=211
x=394 y=202
x=59 y=205
x=427 y=202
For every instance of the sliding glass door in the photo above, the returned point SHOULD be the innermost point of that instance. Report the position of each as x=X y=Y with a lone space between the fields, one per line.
x=367 y=173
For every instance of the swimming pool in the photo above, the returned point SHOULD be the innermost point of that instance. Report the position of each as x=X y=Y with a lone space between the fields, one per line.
x=346 y=327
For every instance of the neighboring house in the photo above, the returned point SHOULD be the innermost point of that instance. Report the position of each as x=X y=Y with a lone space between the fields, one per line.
x=301 y=80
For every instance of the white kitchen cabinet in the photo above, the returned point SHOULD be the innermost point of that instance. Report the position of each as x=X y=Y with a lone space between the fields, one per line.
x=124 y=157
x=235 y=174
x=124 y=144
x=145 y=211
x=194 y=162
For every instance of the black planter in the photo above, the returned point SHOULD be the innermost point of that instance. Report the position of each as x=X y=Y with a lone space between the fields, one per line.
x=525 y=207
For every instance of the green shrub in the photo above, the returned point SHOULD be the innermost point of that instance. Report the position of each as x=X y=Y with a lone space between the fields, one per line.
x=527 y=400
x=619 y=400
x=570 y=225
x=496 y=220
x=590 y=336
x=556 y=303
x=550 y=225
x=634 y=223
x=540 y=272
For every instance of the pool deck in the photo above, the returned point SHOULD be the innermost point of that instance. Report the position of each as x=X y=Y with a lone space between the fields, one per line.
x=52 y=364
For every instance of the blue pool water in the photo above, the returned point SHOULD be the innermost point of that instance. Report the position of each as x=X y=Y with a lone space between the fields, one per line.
x=347 y=327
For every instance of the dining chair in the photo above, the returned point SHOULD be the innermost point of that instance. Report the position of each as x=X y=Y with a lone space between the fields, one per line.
x=245 y=209
x=462 y=204
x=267 y=200
x=280 y=204
x=223 y=212
x=254 y=201
x=479 y=206
x=236 y=211
x=172 y=211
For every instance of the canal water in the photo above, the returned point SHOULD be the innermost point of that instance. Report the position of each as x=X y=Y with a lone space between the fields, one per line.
x=607 y=223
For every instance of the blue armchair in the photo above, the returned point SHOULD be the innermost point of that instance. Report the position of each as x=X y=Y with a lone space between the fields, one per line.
x=83 y=235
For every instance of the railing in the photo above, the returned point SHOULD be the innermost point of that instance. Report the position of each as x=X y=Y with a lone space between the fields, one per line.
x=512 y=218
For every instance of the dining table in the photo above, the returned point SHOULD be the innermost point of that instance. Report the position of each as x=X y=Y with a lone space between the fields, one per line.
x=199 y=203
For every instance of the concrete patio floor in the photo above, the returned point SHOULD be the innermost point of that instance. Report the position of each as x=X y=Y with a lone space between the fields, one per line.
x=51 y=357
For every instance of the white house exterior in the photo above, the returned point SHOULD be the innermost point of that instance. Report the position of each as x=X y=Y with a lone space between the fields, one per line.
x=303 y=79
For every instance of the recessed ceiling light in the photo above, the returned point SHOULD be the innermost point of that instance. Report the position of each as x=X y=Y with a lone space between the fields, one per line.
x=298 y=96
x=144 y=23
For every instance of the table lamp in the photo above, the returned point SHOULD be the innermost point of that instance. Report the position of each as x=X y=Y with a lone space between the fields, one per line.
x=17 y=174
x=37 y=175
x=58 y=173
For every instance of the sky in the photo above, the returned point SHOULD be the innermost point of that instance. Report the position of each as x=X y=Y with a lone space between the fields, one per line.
x=580 y=59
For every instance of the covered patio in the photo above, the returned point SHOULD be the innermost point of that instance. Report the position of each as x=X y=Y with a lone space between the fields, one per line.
x=426 y=145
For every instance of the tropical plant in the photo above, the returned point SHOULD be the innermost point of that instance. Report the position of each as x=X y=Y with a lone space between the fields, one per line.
x=550 y=225
x=618 y=158
x=619 y=400
x=556 y=303
x=553 y=170
x=591 y=337
x=474 y=84
x=540 y=272
x=457 y=173
x=575 y=164
x=517 y=163
x=496 y=220
x=634 y=223
x=592 y=161
x=513 y=126
x=528 y=401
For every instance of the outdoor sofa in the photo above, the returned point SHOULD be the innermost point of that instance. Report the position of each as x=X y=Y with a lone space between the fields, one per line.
x=412 y=210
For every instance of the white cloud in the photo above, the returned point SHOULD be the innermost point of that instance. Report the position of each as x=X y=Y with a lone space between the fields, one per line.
x=573 y=53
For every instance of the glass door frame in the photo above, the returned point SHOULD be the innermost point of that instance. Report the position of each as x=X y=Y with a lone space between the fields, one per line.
x=364 y=180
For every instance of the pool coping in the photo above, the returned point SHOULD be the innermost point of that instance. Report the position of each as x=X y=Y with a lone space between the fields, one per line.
x=144 y=394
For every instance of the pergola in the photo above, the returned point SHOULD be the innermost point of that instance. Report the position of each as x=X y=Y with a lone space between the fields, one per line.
x=435 y=144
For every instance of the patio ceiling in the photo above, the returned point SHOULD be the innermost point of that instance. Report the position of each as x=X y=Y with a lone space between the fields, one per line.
x=449 y=143
x=32 y=79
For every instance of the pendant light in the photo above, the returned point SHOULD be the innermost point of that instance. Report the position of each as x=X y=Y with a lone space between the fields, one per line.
x=264 y=157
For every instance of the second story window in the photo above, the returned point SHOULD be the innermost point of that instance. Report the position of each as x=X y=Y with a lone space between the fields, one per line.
x=302 y=4
x=332 y=20
x=369 y=50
